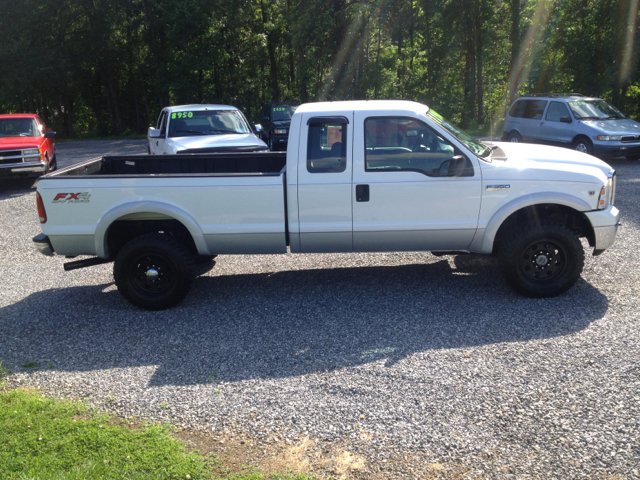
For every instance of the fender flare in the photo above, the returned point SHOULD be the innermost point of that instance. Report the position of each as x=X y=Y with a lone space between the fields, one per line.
x=147 y=207
x=483 y=241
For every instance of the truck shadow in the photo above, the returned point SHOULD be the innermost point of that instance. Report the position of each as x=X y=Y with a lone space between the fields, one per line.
x=11 y=187
x=240 y=327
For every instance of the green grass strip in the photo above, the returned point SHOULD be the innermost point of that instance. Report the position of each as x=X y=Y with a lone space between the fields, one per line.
x=41 y=438
x=45 y=439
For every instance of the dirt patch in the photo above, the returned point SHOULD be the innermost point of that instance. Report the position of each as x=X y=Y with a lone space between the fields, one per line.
x=312 y=457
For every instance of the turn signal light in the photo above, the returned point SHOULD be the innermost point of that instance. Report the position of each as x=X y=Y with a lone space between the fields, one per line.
x=41 y=211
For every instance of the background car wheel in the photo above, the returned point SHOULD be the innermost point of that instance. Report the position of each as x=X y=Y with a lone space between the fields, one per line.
x=154 y=271
x=583 y=144
x=542 y=260
x=515 y=137
x=271 y=143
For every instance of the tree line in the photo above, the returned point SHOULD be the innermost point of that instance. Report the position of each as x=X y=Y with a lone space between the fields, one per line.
x=104 y=67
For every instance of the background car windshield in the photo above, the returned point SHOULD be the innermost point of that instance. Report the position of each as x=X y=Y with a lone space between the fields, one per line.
x=472 y=144
x=599 y=109
x=18 y=127
x=206 y=122
x=283 y=113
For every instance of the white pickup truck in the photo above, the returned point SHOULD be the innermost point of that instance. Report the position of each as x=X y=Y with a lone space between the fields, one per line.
x=362 y=176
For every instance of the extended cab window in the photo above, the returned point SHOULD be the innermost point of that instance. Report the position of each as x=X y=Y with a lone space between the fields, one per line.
x=532 y=109
x=327 y=146
x=406 y=144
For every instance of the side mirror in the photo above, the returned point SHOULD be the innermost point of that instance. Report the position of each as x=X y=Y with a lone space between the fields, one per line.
x=155 y=132
x=455 y=166
x=565 y=119
x=257 y=129
x=49 y=134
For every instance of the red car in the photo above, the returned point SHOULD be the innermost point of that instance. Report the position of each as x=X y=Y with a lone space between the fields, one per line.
x=27 y=147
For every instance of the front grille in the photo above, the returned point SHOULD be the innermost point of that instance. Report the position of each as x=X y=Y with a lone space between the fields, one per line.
x=631 y=138
x=10 y=153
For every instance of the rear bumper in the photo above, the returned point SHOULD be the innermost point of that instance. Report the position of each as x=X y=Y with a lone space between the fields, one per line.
x=605 y=226
x=43 y=244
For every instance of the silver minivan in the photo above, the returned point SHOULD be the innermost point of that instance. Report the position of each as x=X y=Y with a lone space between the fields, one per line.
x=589 y=125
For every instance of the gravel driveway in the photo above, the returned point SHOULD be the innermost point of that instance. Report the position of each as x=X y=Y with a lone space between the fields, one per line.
x=376 y=366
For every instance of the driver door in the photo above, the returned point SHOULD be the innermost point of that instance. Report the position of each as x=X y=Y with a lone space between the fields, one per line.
x=413 y=189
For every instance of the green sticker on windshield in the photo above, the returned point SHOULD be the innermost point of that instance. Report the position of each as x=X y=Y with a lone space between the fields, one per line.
x=181 y=115
x=578 y=103
x=279 y=109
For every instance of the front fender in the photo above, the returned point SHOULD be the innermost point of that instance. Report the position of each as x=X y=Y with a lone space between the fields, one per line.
x=147 y=207
x=483 y=240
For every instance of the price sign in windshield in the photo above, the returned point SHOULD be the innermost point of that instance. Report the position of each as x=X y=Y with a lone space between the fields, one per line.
x=175 y=115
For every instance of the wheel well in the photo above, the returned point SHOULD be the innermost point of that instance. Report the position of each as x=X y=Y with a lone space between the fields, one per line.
x=122 y=232
x=577 y=137
x=576 y=221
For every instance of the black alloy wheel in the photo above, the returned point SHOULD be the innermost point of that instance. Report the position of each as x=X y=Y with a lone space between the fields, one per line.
x=542 y=259
x=154 y=271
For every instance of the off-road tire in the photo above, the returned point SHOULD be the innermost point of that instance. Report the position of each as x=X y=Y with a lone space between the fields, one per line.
x=154 y=271
x=541 y=260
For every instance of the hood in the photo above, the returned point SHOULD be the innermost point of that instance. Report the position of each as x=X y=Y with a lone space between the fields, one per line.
x=523 y=155
x=17 y=143
x=239 y=142
x=623 y=126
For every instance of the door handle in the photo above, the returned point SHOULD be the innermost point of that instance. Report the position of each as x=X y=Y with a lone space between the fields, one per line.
x=362 y=193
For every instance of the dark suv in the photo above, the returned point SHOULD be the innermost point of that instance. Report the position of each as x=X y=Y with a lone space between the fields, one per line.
x=276 y=119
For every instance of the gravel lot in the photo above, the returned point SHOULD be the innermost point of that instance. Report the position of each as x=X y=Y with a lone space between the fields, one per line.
x=376 y=366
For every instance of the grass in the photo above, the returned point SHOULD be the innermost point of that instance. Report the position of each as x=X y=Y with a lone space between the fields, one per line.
x=41 y=438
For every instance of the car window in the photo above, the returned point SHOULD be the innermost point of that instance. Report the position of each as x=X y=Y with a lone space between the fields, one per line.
x=556 y=111
x=406 y=144
x=532 y=109
x=283 y=112
x=18 y=127
x=595 y=110
x=162 y=122
x=327 y=147
x=207 y=122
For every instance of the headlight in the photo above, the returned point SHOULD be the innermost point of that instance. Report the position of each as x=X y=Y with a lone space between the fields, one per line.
x=280 y=131
x=609 y=138
x=30 y=151
x=608 y=191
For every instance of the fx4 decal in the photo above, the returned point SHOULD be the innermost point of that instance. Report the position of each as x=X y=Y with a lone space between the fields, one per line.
x=72 y=197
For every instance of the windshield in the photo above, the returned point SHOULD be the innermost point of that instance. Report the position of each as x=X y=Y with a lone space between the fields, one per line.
x=282 y=113
x=595 y=110
x=472 y=144
x=18 y=127
x=207 y=122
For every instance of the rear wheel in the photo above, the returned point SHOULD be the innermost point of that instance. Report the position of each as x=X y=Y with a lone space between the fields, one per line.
x=154 y=271
x=542 y=260
x=515 y=137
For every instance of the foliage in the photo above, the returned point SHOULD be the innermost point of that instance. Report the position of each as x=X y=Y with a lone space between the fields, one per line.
x=98 y=67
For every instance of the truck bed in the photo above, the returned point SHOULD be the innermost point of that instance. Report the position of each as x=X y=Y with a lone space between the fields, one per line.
x=259 y=163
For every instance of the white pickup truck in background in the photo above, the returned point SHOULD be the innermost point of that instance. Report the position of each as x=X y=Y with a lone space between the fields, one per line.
x=202 y=129
x=362 y=176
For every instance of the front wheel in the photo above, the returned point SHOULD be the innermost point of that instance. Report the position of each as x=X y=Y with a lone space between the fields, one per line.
x=154 y=271
x=583 y=145
x=542 y=260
